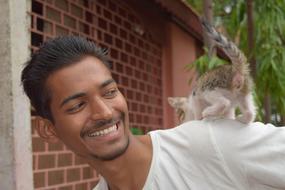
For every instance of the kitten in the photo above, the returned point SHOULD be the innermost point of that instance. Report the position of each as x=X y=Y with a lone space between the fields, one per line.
x=220 y=91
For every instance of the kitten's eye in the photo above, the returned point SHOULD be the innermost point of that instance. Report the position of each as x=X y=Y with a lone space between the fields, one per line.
x=76 y=108
x=111 y=93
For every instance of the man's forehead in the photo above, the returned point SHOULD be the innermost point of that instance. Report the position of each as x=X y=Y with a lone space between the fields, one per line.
x=89 y=72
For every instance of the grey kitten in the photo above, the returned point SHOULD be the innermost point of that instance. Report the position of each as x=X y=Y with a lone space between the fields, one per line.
x=220 y=91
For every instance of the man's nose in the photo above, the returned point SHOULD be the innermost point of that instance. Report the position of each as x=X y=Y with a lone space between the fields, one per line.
x=100 y=109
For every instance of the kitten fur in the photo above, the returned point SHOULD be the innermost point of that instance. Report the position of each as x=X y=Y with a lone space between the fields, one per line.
x=220 y=91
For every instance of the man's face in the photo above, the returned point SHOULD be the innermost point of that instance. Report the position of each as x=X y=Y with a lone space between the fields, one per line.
x=90 y=114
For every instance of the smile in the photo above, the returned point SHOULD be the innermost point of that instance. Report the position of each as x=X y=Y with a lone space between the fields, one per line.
x=104 y=132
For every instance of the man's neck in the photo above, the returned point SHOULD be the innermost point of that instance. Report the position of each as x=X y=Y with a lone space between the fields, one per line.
x=130 y=170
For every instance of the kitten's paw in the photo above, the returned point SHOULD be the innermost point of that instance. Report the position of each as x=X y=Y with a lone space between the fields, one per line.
x=215 y=110
x=206 y=113
x=209 y=112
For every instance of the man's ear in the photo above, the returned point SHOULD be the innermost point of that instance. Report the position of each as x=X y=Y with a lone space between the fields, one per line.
x=46 y=130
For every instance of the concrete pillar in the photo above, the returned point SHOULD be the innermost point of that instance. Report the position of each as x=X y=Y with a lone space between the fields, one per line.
x=15 y=127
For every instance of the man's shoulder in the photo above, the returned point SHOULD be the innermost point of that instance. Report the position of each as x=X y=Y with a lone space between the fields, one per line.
x=189 y=125
x=210 y=126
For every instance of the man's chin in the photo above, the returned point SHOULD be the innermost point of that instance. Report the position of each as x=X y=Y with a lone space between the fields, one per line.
x=115 y=154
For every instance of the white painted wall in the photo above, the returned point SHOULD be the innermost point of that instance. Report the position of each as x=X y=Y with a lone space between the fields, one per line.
x=15 y=128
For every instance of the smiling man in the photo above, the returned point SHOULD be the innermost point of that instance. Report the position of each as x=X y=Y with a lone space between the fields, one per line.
x=71 y=87
x=92 y=108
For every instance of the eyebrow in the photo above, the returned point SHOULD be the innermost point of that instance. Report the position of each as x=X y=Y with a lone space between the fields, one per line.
x=81 y=94
x=72 y=97
x=106 y=83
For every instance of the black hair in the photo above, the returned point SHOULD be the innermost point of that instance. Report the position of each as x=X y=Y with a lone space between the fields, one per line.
x=53 y=55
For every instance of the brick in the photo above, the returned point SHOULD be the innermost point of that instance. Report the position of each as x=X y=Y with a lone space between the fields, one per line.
x=130 y=94
x=69 y=22
x=46 y=161
x=114 y=53
x=132 y=38
x=124 y=57
x=149 y=110
x=123 y=34
x=48 y=27
x=76 y=11
x=112 y=6
x=127 y=24
x=64 y=159
x=66 y=188
x=49 y=1
x=108 y=39
x=113 y=28
x=122 y=12
x=102 y=2
x=73 y=174
x=55 y=146
x=119 y=43
x=107 y=14
x=139 y=118
x=131 y=116
x=116 y=77
x=138 y=95
x=120 y=68
x=102 y=23
x=89 y=17
x=34 y=162
x=63 y=4
x=88 y=173
x=38 y=144
x=142 y=108
x=134 y=106
x=55 y=177
x=39 y=179
x=61 y=31
x=53 y=14
x=84 y=28
x=81 y=186
x=79 y=161
x=125 y=81
x=33 y=130
x=129 y=72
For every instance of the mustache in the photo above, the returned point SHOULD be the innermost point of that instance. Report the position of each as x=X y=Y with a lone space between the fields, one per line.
x=101 y=123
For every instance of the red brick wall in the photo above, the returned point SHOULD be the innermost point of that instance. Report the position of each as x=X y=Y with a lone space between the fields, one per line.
x=136 y=60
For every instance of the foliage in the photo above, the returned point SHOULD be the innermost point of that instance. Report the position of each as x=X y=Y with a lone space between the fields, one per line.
x=205 y=63
x=269 y=26
x=270 y=54
x=136 y=131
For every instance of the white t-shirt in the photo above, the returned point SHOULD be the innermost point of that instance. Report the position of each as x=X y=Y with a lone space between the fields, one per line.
x=216 y=155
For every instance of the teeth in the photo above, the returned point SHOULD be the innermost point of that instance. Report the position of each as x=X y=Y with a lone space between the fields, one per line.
x=104 y=131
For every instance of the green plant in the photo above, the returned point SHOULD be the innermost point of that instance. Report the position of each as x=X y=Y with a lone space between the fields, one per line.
x=136 y=131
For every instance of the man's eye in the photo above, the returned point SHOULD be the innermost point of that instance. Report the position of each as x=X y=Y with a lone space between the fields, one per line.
x=75 y=108
x=111 y=93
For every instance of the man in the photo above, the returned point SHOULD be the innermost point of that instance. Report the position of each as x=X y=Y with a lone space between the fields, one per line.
x=72 y=89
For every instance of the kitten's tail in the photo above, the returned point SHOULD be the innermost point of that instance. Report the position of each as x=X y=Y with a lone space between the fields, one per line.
x=236 y=56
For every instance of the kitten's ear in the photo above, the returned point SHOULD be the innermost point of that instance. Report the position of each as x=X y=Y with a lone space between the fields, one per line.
x=46 y=130
x=184 y=100
x=171 y=101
